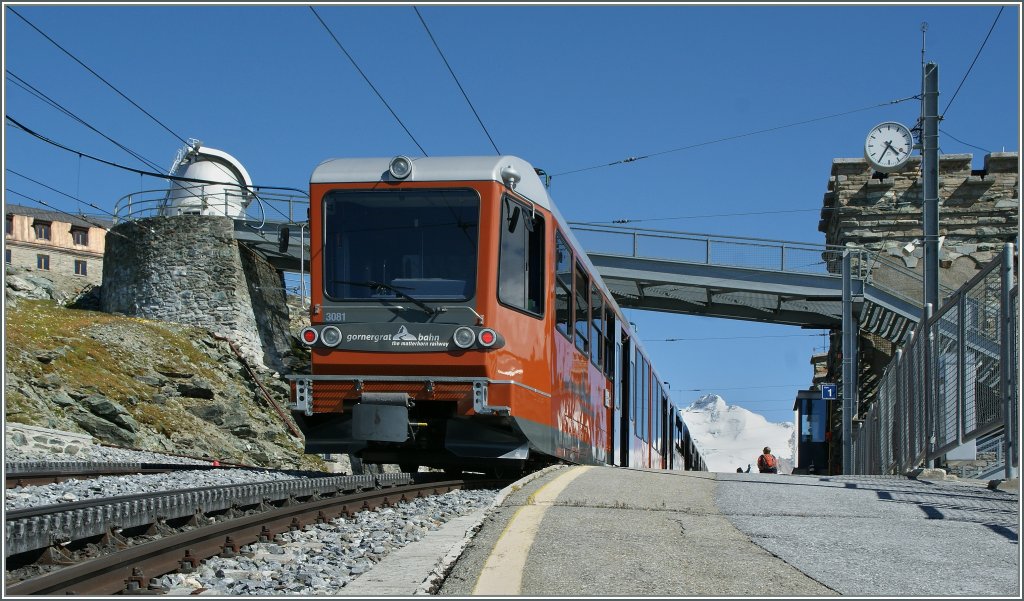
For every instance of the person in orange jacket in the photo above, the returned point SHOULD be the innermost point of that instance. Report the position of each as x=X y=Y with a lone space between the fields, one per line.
x=767 y=463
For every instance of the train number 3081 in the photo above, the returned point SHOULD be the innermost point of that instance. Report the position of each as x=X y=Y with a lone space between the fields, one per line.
x=328 y=316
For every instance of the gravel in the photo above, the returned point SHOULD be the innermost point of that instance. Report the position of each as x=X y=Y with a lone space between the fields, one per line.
x=318 y=560
x=322 y=559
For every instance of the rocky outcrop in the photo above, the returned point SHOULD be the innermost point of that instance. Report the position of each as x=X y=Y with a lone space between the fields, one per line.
x=144 y=384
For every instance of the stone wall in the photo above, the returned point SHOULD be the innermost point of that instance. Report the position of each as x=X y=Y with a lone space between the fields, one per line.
x=978 y=212
x=189 y=269
x=36 y=439
x=269 y=305
x=62 y=263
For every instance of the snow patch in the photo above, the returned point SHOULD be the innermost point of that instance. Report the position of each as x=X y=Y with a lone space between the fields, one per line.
x=729 y=437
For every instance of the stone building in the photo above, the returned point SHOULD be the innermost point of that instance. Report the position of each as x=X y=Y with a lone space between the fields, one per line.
x=978 y=214
x=55 y=242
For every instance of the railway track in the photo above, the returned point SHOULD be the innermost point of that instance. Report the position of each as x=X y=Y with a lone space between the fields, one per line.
x=189 y=525
x=36 y=473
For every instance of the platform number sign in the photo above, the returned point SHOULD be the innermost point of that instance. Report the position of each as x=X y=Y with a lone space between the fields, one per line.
x=828 y=392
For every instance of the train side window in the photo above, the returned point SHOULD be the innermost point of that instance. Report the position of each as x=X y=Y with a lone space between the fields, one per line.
x=609 y=340
x=645 y=400
x=635 y=374
x=582 y=304
x=656 y=417
x=521 y=258
x=563 y=286
x=597 y=342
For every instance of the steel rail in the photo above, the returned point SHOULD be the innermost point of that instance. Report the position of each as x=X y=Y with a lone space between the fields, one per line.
x=133 y=570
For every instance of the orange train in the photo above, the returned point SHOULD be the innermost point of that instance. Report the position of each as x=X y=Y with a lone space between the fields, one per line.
x=456 y=323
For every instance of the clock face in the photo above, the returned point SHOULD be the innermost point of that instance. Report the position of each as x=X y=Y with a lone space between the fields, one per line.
x=888 y=146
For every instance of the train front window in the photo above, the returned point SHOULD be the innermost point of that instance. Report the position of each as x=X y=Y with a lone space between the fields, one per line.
x=419 y=243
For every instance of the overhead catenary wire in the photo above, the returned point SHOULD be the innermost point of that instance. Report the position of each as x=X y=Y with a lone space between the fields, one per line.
x=711 y=215
x=980 y=48
x=53 y=208
x=98 y=76
x=367 y=79
x=947 y=134
x=633 y=159
x=62 y=193
x=179 y=178
x=122 y=94
x=730 y=337
x=21 y=83
x=461 y=89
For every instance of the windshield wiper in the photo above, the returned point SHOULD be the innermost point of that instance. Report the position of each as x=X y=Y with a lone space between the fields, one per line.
x=398 y=291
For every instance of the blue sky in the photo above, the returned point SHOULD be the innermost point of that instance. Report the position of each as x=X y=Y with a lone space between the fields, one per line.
x=564 y=87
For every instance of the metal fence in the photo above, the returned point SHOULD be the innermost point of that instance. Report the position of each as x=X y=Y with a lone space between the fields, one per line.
x=251 y=205
x=953 y=382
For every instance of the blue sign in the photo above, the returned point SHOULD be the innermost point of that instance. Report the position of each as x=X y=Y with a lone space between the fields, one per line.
x=828 y=392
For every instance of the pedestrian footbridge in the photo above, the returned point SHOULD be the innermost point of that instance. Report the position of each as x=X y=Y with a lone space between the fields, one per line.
x=752 y=279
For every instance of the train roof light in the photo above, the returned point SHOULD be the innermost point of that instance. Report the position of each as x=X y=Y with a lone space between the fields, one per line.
x=400 y=167
x=309 y=336
x=464 y=337
x=510 y=176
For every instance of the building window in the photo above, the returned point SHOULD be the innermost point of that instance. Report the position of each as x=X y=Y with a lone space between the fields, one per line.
x=43 y=262
x=7 y=255
x=42 y=229
x=10 y=225
x=81 y=268
x=80 y=235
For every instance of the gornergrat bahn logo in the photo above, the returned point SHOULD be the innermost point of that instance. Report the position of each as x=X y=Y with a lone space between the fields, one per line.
x=405 y=338
x=402 y=338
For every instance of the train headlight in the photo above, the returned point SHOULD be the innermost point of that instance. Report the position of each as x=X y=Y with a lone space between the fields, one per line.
x=487 y=337
x=400 y=167
x=309 y=336
x=330 y=336
x=464 y=337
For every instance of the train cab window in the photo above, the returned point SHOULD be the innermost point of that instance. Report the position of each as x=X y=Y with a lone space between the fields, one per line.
x=521 y=258
x=597 y=344
x=582 y=304
x=386 y=244
x=563 y=286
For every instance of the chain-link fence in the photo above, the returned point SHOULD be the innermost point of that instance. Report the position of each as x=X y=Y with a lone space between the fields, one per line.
x=953 y=382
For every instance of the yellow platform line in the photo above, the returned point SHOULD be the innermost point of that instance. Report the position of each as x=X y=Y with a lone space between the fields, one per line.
x=502 y=574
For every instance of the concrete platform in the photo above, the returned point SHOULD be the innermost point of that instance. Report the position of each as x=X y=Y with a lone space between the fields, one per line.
x=601 y=531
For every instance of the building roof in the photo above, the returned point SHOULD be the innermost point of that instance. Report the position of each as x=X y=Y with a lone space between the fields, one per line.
x=43 y=214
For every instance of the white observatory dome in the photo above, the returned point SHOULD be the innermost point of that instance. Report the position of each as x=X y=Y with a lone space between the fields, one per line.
x=229 y=196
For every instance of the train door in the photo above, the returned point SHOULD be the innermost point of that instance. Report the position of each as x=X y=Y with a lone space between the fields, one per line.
x=624 y=367
x=663 y=427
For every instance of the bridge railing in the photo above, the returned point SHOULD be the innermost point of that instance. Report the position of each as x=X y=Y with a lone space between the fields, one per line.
x=708 y=249
x=954 y=382
x=753 y=253
x=262 y=206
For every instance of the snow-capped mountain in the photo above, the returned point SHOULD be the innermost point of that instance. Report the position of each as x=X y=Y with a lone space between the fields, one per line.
x=729 y=437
